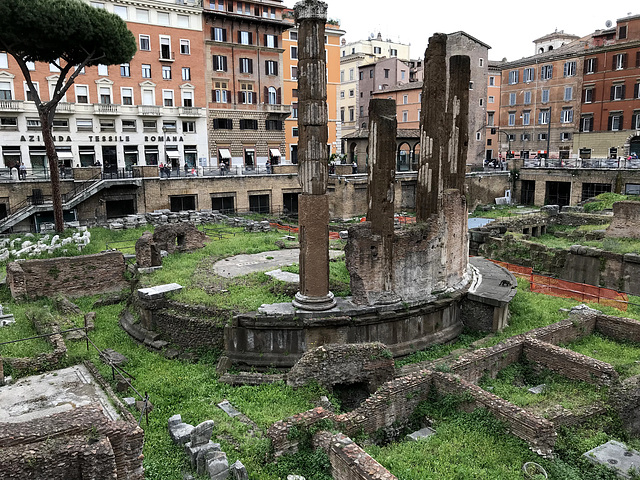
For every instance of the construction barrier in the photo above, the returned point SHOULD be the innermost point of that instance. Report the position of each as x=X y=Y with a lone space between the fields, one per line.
x=296 y=230
x=567 y=289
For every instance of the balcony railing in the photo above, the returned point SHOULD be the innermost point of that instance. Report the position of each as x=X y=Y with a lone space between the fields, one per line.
x=166 y=56
x=277 y=108
x=190 y=111
x=65 y=107
x=11 y=106
x=609 y=163
x=106 y=109
x=149 y=110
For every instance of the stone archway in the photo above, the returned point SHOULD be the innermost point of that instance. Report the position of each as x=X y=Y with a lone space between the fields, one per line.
x=353 y=152
x=403 y=158
x=415 y=157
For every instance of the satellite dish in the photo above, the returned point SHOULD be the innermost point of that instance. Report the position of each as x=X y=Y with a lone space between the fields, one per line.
x=608 y=23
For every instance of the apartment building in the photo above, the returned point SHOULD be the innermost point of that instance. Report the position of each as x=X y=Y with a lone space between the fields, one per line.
x=494 y=149
x=244 y=64
x=352 y=57
x=333 y=35
x=609 y=123
x=540 y=102
x=149 y=111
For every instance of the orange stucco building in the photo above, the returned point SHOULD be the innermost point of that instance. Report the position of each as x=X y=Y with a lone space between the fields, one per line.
x=333 y=35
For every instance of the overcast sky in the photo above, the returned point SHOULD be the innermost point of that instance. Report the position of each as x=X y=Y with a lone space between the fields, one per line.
x=508 y=27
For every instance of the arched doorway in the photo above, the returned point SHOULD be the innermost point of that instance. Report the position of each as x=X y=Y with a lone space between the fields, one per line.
x=634 y=146
x=404 y=158
x=353 y=152
x=415 y=158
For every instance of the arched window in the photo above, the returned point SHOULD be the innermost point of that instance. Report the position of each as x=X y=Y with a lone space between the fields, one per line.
x=273 y=96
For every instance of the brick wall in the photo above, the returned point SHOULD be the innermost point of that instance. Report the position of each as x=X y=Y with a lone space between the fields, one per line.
x=80 y=443
x=70 y=276
x=333 y=364
x=348 y=460
x=489 y=361
x=569 y=364
x=618 y=328
x=538 y=432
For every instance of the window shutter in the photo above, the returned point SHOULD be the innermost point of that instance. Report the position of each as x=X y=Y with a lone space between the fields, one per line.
x=250 y=38
x=566 y=68
x=633 y=120
x=228 y=96
x=624 y=90
x=584 y=67
x=213 y=33
x=595 y=65
x=266 y=67
x=266 y=95
x=613 y=64
x=265 y=40
x=624 y=60
x=241 y=97
x=250 y=66
x=213 y=97
x=584 y=95
x=613 y=92
x=239 y=36
x=638 y=58
x=279 y=96
x=275 y=41
x=224 y=34
x=591 y=124
x=621 y=127
x=635 y=89
x=610 y=123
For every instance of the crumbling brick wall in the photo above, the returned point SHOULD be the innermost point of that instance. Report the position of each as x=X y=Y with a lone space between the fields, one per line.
x=179 y=237
x=488 y=361
x=280 y=433
x=618 y=328
x=71 y=276
x=626 y=220
x=80 y=443
x=345 y=364
x=569 y=364
x=538 y=432
x=348 y=460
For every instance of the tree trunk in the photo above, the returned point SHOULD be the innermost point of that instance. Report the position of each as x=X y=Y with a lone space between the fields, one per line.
x=53 y=169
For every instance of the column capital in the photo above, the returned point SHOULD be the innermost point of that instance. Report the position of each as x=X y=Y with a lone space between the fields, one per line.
x=310 y=9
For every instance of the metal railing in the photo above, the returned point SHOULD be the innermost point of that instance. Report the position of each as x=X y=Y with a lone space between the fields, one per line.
x=608 y=163
x=32 y=174
x=196 y=172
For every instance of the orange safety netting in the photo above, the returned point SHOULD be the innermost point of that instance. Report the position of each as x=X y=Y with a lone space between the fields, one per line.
x=567 y=289
x=290 y=229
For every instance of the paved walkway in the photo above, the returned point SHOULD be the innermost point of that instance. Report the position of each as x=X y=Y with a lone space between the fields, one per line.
x=260 y=262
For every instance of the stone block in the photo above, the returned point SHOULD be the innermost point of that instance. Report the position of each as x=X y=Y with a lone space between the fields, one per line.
x=228 y=408
x=616 y=456
x=202 y=433
x=218 y=466
x=175 y=420
x=159 y=291
x=208 y=452
x=238 y=471
x=538 y=389
x=180 y=433
x=421 y=434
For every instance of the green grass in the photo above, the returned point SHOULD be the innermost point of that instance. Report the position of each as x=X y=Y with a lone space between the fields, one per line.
x=501 y=211
x=606 y=201
x=614 y=245
x=512 y=384
x=623 y=356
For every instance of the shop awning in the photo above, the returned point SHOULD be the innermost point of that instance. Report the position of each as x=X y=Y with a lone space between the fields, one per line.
x=275 y=152
x=64 y=155
x=224 y=153
x=172 y=154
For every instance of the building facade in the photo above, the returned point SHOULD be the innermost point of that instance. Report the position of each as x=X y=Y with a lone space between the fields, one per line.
x=333 y=35
x=540 y=103
x=609 y=124
x=493 y=150
x=352 y=57
x=244 y=63
x=149 y=111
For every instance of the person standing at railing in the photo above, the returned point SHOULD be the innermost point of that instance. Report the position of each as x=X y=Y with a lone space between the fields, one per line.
x=22 y=172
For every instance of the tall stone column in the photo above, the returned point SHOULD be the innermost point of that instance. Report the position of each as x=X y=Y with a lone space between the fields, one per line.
x=381 y=190
x=313 y=203
x=444 y=127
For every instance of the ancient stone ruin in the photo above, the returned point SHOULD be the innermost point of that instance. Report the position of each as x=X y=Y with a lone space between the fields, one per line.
x=626 y=220
x=170 y=238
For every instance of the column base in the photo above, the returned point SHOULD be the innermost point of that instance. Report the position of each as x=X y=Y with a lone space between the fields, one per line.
x=387 y=298
x=315 y=304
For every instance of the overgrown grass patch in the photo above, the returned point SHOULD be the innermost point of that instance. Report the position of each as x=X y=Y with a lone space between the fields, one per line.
x=512 y=384
x=624 y=356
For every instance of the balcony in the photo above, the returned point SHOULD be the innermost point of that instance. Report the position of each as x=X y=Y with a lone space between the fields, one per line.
x=276 y=108
x=149 y=110
x=190 y=111
x=167 y=56
x=11 y=106
x=106 y=109
x=65 y=107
